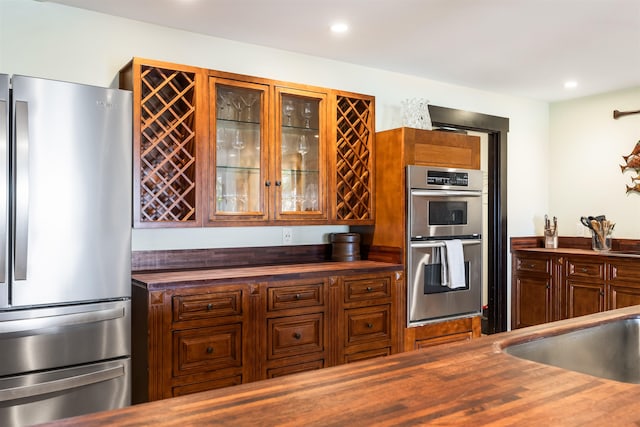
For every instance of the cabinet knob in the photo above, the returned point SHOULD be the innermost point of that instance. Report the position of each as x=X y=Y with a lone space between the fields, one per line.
x=298 y=296
x=369 y=325
x=209 y=307
x=209 y=350
x=369 y=289
x=297 y=335
x=584 y=269
x=267 y=183
x=278 y=183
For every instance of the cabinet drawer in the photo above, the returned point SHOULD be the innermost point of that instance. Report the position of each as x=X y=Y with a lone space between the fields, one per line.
x=533 y=264
x=206 y=385
x=294 y=369
x=366 y=355
x=203 y=306
x=206 y=349
x=288 y=297
x=288 y=336
x=367 y=324
x=585 y=268
x=626 y=271
x=367 y=288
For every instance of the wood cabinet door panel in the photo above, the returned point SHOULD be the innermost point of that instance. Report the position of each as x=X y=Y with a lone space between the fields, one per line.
x=367 y=324
x=623 y=296
x=584 y=298
x=533 y=301
x=288 y=336
x=203 y=306
x=204 y=349
x=288 y=297
x=366 y=288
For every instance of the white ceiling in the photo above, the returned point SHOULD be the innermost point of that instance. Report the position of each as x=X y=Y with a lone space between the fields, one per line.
x=518 y=47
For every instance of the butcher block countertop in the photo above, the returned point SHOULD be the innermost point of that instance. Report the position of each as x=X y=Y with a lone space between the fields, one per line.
x=465 y=383
x=158 y=280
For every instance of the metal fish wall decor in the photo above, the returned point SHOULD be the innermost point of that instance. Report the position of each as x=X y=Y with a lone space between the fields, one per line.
x=632 y=162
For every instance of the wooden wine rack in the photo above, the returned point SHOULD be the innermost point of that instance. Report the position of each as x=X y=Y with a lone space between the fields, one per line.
x=355 y=132
x=167 y=155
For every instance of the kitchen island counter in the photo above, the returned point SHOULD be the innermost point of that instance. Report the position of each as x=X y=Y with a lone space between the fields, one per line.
x=469 y=383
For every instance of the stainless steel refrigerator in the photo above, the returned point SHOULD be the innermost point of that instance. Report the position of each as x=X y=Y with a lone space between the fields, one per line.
x=65 y=249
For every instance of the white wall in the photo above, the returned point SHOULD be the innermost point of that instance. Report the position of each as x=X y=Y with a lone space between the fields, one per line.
x=59 y=42
x=586 y=149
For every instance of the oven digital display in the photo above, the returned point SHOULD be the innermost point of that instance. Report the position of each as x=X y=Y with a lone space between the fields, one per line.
x=447 y=212
x=460 y=179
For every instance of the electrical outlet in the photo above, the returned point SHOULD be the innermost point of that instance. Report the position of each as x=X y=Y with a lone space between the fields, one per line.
x=287 y=235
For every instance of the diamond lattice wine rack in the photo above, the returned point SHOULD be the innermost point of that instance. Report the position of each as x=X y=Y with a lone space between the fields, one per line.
x=167 y=145
x=354 y=160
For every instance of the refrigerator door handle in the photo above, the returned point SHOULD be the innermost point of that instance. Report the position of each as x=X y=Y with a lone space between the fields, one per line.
x=48 y=387
x=22 y=189
x=4 y=149
x=34 y=325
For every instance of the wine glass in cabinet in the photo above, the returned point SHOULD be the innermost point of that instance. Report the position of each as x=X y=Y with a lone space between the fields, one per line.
x=300 y=160
x=237 y=152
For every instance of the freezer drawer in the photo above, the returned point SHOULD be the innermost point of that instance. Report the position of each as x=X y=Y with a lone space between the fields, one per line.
x=55 y=337
x=62 y=393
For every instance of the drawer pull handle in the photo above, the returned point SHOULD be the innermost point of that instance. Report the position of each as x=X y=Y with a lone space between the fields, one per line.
x=298 y=296
x=209 y=307
x=584 y=270
x=297 y=335
x=369 y=289
x=369 y=325
x=209 y=350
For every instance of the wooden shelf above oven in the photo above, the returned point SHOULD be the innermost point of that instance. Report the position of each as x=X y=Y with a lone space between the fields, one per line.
x=394 y=150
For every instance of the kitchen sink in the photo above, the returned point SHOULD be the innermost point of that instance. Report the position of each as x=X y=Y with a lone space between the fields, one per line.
x=609 y=350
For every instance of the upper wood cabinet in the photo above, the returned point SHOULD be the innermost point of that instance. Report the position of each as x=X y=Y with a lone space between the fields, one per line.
x=213 y=148
x=352 y=188
x=170 y=133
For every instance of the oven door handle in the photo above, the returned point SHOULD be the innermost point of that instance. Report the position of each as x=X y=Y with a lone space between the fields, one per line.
x=445 y=193
x=440 y=244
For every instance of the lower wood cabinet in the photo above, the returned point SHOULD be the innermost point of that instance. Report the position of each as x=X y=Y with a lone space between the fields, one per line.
x=195 y=334
x=549 y=285
x=444 y=332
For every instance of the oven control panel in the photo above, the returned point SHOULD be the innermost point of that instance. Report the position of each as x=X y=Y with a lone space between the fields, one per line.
x=435 y=177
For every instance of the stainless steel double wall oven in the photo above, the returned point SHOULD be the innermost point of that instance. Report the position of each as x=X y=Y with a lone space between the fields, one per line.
x=443 y=204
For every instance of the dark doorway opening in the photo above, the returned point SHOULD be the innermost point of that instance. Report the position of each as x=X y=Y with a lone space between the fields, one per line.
x=496 y=128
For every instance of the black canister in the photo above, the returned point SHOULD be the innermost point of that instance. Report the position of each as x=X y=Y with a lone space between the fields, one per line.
x=345 y=246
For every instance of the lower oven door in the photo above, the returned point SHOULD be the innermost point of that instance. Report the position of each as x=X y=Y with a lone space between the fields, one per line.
x=428 y=299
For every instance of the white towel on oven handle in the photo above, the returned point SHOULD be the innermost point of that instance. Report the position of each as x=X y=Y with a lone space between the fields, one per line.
x=453 y=273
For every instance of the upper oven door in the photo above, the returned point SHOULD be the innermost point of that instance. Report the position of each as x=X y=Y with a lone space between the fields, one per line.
x=440 y=213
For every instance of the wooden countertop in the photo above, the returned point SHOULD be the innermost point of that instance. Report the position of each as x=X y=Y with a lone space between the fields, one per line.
x=467 y=383
x=158 y=279
x=576 y=251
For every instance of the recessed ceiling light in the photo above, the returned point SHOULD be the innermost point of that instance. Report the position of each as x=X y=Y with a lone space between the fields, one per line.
x=339 y=27
x=571 y=84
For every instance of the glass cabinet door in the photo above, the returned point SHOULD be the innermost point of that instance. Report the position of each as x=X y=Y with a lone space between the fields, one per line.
x=301 y=117
x=239 y=133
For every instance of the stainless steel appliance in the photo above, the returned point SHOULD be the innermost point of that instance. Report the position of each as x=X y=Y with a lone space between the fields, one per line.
x=65 y=249
x=443 y=204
